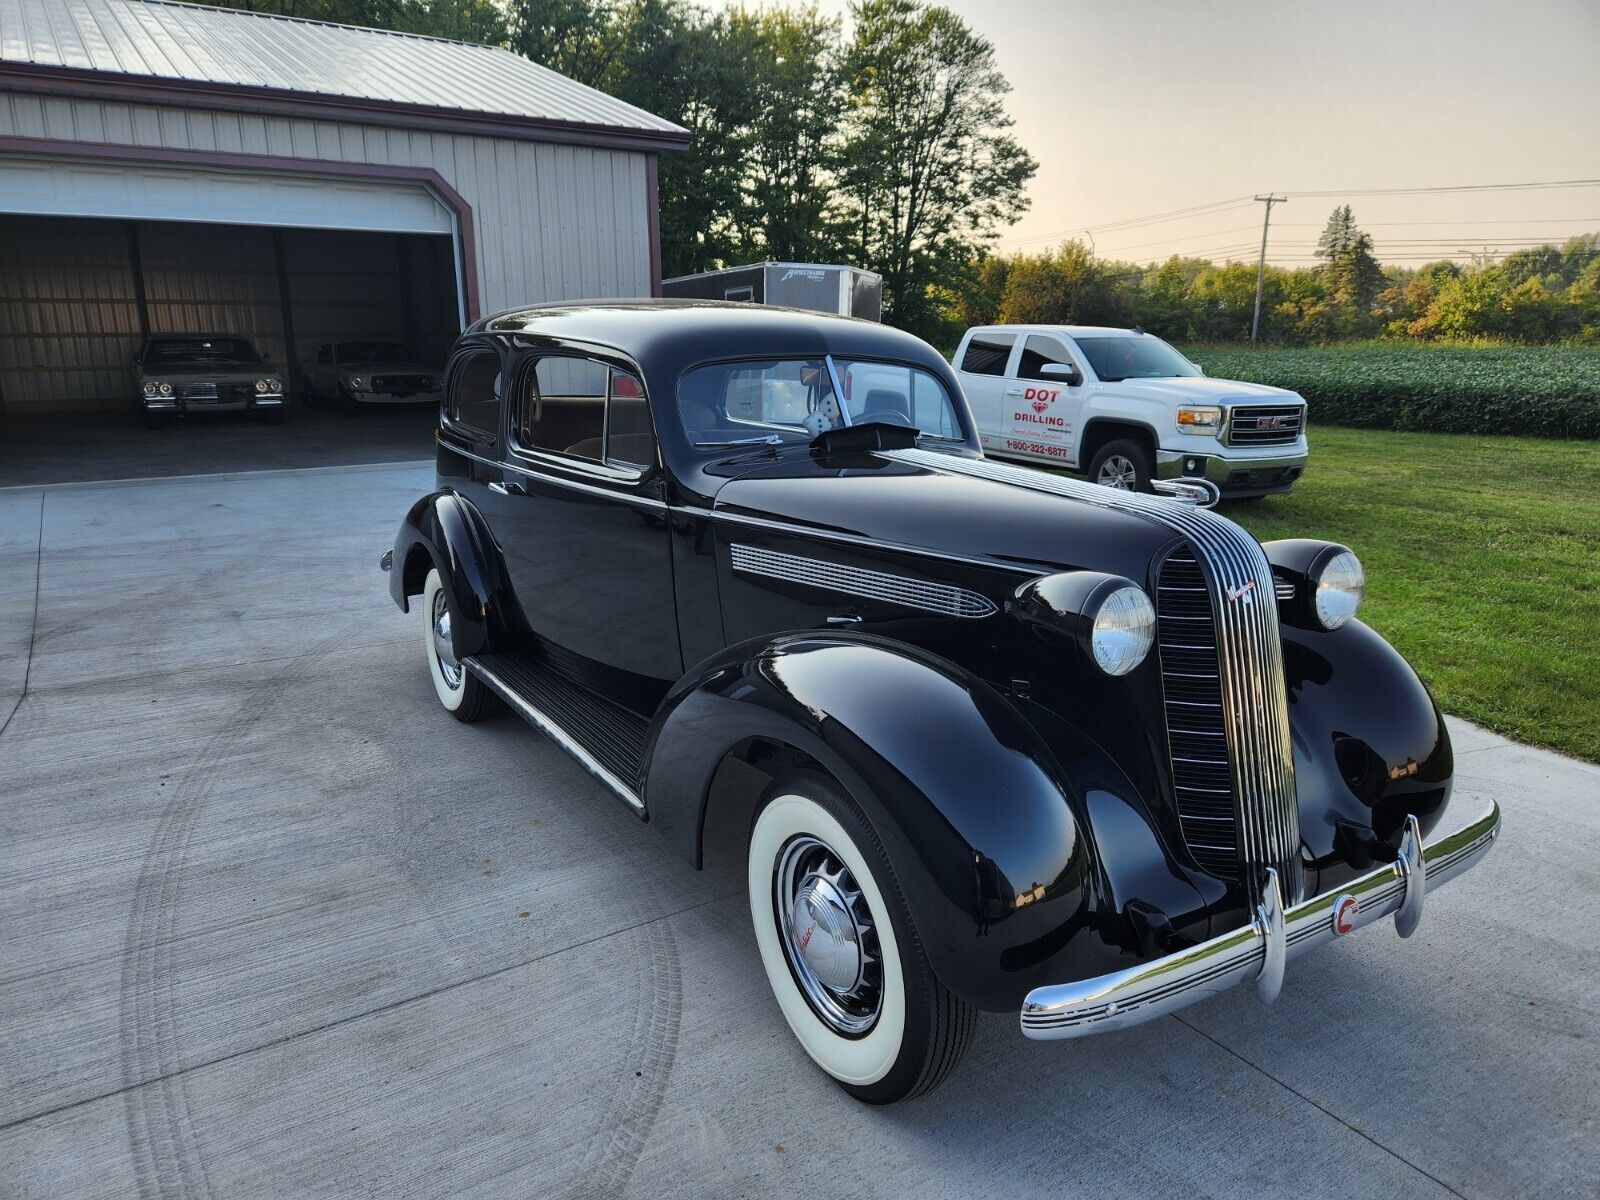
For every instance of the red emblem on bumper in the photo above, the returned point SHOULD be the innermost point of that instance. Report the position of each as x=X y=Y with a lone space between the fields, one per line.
x=1345 y=909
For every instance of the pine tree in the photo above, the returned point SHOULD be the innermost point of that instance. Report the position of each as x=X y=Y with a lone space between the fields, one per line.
x=1352 y=272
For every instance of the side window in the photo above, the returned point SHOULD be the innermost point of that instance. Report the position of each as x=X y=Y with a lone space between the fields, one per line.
x=474 y=401
x=930 y=409
x=1039 y=351
x=987 y=353
x=630 y=438
x=584 y=409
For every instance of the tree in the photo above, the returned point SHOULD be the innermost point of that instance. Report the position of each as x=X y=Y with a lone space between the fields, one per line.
x=928 y=173
x=787 y=205
x=482 y=21
x=1354 y=277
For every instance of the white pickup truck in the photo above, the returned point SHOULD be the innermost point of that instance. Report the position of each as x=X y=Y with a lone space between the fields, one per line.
x=1124 y=408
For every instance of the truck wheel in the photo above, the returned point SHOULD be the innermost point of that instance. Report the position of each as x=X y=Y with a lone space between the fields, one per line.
x=1123 y=464
x=462 y=693
x=840 y=948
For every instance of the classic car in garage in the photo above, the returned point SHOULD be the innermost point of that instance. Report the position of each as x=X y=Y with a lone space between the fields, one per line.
x=181 y=374
x=1030 y=745
x=351 y=374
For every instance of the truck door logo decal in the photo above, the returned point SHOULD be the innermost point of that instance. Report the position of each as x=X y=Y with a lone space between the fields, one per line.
x=1032 y=428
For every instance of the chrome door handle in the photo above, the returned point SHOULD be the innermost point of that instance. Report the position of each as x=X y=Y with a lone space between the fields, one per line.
x=507 y=489
x=845 y=619
x=1014 y=391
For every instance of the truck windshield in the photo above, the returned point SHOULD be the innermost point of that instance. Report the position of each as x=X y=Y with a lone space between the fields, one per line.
x=1137 y=357
x=794 y=398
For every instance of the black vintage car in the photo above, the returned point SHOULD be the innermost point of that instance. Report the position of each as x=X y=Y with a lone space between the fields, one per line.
x=1031 y=745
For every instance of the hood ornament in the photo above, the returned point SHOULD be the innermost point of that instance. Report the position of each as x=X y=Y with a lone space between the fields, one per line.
x=1201 y=493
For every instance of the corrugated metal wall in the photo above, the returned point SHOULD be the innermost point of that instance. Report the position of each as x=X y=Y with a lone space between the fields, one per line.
x=553 y=222
x=69 y=298
x=69 y=312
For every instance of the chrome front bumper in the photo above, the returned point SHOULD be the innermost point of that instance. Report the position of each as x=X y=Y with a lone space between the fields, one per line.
x=1259 y=951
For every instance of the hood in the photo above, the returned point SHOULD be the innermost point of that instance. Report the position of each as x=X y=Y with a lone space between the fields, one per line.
x=385 y=368
x=904 y=504
x=211 y=372
x=1201 y=390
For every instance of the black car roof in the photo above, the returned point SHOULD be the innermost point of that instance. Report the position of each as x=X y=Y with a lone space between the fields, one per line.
x=688 y=330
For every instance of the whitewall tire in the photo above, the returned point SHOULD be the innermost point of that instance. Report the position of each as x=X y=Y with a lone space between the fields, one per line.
x=840 y=950
x=462 y=693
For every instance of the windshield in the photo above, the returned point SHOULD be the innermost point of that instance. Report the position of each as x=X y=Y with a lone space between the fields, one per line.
x=201 y=350
x=1139 y=357
x=794 y=398
x=371 y=352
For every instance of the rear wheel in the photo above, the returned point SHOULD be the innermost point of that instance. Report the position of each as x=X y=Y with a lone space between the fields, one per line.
x=1123 y=464
x=463 y=694
x=840 y=949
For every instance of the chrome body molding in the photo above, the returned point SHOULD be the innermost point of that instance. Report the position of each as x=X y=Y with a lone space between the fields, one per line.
x=547 y=725
x=1259 y=950
x=943 y=598
x=1249 y=654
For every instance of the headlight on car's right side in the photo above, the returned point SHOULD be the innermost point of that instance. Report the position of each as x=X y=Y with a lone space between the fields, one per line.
x=1340 y=584
x=1201 y=420
x=357 y=383
x=1321 y=584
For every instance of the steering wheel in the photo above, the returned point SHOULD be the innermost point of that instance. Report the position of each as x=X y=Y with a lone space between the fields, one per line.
x=886 y=415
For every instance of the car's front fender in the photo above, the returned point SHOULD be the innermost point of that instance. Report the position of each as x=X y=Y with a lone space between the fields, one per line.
x=984 y=829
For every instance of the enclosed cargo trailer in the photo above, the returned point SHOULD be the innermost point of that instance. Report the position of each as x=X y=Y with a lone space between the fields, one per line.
x=843 y=291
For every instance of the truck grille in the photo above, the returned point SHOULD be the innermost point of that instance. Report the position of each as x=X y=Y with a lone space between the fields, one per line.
x=1264 y=425
x=1202 y=775
x=197 y=391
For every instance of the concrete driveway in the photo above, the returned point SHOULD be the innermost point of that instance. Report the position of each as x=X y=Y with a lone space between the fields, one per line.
x=271 y=924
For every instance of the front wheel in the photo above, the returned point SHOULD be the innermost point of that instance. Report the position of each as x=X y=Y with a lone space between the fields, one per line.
x=840 y=949
x=464 y=695
x=1123 y=464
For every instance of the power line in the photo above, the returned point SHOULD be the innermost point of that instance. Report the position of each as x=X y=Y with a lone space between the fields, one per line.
x=1242 y=201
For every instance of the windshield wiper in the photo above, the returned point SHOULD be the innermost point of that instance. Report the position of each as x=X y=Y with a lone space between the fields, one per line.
x=770 y=439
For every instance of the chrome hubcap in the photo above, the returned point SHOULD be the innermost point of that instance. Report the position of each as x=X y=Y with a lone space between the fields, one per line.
x=1117 y=472
x=828 y=936
x=439 y=621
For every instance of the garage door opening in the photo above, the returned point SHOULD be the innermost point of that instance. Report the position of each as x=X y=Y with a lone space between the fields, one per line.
x=78 y=296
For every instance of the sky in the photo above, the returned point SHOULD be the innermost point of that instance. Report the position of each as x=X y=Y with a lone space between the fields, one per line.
x=1135 y=108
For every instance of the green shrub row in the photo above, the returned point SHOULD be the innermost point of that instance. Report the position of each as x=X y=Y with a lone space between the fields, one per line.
x=1544 y=391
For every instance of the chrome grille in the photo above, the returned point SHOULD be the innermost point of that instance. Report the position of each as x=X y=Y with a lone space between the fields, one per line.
x=1197 y=737
x=403 y=384
x=197 y=391
x=1264 y=425
x=1254 y=698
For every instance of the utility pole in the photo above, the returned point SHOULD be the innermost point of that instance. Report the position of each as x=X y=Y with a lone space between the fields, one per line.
x=1261 y=265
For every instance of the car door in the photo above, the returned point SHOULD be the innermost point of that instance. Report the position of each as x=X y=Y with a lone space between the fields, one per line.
x=582 y=519
x=983 y=378
x=1045 y=410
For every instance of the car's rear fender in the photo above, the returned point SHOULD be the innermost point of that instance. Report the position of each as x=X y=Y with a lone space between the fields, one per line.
x=444 y=530
x=984 y=829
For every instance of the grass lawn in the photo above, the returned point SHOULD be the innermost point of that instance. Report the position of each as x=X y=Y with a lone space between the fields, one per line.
x=1483 y=566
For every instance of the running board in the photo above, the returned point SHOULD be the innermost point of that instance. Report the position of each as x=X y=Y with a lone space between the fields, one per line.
x=606 y=739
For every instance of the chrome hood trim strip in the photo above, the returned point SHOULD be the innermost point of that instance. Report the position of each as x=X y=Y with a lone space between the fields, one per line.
x=1249 y=653
x=925 y=594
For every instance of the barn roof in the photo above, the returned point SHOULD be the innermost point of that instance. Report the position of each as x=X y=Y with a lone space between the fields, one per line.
x=160 y=46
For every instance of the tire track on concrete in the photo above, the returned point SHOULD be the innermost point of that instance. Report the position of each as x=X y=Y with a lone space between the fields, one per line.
x=613 y=1150
x=33 y=624
x=167 y=1156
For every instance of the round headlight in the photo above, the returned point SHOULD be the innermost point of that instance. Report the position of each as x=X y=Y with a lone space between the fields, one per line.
x=1340 y=585
x=149 y=389
x=274 y=385
x=1124 y=630
x=261 y=385
x=164 y=388
x=357 y=383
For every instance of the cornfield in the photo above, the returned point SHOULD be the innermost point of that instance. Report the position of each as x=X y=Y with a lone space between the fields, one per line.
x=1545 y=391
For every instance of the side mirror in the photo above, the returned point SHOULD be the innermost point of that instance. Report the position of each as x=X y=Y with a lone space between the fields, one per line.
x=1064 y=371
x=1199 y=368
